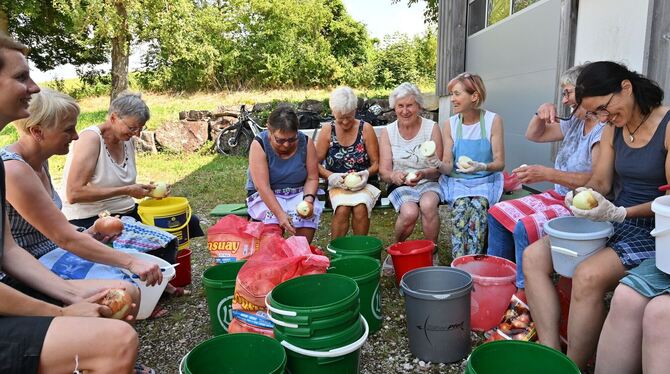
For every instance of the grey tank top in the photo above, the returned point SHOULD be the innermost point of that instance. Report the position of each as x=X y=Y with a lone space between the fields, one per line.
x=640 y=171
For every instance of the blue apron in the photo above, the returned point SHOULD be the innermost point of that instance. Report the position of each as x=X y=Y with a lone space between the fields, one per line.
x=477 y=149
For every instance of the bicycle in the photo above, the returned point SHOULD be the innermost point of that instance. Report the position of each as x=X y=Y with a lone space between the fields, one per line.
x=236 y=139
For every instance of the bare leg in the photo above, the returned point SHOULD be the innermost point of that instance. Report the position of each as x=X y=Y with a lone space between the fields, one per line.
x=340 y=224
x=656 y=336
x=430 y=219
x=101 y=346
x=113 y=283
x=360 y=222
x=540 y=291
x=620 y=346
x=307 y=232
x=592 y=279
x=404 y=224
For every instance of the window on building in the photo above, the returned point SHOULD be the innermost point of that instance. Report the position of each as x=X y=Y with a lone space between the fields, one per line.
x=518 y=5
x=497 y=11
x=476 y=16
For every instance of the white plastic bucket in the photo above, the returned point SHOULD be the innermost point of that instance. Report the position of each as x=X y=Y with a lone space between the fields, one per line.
x=575 y=239
x=150 y=295
x=661 y=208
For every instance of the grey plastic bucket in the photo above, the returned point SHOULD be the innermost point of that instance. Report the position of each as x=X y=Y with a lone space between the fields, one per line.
x=437 y=305
x=573 y=240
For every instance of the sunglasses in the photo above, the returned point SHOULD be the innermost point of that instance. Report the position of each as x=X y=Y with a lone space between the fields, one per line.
x=283 y=141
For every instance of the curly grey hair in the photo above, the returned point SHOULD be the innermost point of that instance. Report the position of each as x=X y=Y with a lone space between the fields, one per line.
x=343 y=100
x=130 y=104
x=404 y=90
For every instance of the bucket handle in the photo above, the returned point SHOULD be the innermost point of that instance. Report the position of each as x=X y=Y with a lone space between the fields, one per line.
x=658 y=232
x=278 y=311
x=282 y=323
x=337 y=352
x=564 y=251
x=330 y=250
x=188 y=219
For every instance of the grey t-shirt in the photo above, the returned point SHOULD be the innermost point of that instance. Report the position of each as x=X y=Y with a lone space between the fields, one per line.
x=575 y=152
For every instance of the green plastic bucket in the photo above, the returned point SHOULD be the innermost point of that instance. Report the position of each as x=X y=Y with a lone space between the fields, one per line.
x=342 y=359
x=361 y=245
x=514 y=356
x=344 y=336
x=235 y=353
x=219 y=282
x=366 y=272
x=314 y=305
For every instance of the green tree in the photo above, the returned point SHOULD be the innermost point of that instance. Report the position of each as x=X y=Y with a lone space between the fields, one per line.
x=112 y=23
x=430 y=14
x=50 y=34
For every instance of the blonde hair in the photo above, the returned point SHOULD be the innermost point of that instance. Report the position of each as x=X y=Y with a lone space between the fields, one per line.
x=471 y=83
x=48 y=108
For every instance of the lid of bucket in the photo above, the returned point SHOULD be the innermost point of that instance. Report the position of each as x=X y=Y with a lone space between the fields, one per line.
x=436 y=283
x=661 y=205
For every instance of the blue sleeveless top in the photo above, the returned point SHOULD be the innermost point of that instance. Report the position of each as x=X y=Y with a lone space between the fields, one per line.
x=284 y=173
x=639 y=171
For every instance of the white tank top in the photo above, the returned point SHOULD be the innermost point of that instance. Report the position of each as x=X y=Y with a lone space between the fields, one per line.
x=406 y=155
x=107 y=174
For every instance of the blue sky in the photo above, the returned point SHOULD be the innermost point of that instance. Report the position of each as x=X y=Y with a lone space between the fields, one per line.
x=380 y=16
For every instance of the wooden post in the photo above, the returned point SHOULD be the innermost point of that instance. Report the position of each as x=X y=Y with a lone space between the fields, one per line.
x=451 y=38
x=659 y=45
x=567 y=36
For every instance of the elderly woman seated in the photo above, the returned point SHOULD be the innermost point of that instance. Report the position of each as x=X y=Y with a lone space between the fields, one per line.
x=349 y=151
x=283 y=176
x=37 y=223
x=515 y=224
x=474 y=155
x=412 y=180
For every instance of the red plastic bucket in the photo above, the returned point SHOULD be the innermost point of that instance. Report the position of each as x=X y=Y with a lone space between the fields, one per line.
x=410 y=255
x=493 y=285
x=183 y=277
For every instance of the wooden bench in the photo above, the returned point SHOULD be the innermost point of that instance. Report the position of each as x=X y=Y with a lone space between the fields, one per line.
x=240 y=209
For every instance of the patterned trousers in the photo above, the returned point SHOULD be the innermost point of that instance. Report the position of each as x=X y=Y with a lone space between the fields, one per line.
x=469 y=221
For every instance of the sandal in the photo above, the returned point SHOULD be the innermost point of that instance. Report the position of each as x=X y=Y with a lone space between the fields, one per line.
x=158 y=312
x=143 y=369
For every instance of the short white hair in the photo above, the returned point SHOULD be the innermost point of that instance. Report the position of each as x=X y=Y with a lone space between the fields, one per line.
x=406 y=89
x=343 y=100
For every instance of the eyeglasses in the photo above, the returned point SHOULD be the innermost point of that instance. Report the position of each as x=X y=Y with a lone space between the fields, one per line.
x=133 y=129
x=601 y=112
x=566 y=92
x=283 y=141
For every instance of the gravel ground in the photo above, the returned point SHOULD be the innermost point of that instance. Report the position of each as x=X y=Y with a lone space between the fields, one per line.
x=164 y=341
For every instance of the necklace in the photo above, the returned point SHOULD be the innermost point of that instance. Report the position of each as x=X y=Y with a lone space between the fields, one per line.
x=631 y=135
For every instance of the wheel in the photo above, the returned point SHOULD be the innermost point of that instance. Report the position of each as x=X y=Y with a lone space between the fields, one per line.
x=226 y=144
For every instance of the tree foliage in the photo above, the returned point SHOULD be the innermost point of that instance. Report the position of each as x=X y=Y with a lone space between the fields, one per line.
x=51 y=35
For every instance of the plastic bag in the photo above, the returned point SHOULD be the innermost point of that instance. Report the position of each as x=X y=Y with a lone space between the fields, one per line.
x=234 y=238
x=278 y=260
x=511 y=182
x=516 y=323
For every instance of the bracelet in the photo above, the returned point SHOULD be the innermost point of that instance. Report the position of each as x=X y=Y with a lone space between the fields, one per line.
x=307 y=195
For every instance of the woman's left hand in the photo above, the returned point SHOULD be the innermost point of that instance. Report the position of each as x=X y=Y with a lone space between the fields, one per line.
x=413 y=182
x=149 y=272
x=531 y=173
x=604 y=211
x=364 y=174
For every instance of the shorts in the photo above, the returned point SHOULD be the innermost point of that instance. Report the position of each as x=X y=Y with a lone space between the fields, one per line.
x=21 y=340
x=632 y=241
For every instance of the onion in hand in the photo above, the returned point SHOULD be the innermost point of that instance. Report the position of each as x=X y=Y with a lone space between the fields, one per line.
x=108 y=225
x=160 y=190
x=119 y=301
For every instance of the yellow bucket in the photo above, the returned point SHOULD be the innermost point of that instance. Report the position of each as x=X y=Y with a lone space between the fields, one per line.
x=171 y=214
